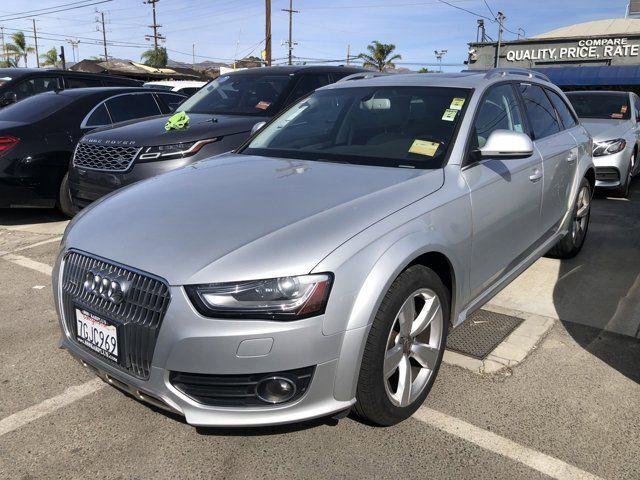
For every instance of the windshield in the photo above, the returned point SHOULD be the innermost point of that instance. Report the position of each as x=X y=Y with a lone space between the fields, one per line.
x=34 y=108
x=238 y=94
x=613 y=106
x=409 y=127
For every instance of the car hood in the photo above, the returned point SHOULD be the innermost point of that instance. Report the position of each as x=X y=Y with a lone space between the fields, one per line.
x=605 y=129
x=238 y=217
x=150 y=131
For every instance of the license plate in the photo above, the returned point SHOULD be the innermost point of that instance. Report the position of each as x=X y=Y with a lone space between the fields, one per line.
x=97 y=334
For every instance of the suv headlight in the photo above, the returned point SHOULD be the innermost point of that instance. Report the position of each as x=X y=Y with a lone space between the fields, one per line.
x=608 y=147
x=174 y=150
x=284 y=298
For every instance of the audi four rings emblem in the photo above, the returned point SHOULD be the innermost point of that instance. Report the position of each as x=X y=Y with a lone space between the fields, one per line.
x=106 y=286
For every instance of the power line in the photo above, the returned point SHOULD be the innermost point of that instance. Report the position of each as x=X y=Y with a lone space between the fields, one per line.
x=41 y=9
x=56 y=11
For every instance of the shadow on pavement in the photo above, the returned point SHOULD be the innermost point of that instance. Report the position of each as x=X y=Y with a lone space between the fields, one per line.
x=597 y=294
x=28 y=216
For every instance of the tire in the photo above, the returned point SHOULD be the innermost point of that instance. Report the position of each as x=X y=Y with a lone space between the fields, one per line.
x=380 y=398
x=623 y=190
x=571 y=244
x=64 y=203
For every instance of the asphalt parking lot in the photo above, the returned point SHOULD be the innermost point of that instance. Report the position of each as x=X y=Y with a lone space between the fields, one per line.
x=570 y=409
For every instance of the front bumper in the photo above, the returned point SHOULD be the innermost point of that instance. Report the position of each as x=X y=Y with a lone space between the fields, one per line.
x=87 y=186
x=612 y=170
x=188 y=342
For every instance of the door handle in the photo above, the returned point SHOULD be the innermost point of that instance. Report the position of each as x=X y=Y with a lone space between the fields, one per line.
x=536 y=175
x=572 y=157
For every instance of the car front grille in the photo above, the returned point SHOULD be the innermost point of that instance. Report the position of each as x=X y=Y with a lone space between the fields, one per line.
x=607 y=174
x=138 y=317
x=112 y=158
x=235 y=390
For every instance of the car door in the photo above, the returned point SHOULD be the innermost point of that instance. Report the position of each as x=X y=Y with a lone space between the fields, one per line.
x=559 y=152
x=635 y=110
x=505 y=194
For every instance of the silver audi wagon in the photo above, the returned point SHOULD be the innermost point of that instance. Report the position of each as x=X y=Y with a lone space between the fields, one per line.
x=317 y=269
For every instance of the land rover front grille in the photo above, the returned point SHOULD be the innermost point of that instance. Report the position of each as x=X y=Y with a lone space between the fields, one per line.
x=138 y=316
x=112 y=158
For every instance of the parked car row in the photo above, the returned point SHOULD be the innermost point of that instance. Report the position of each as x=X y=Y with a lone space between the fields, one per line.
x=317 y=266
x=128 y=141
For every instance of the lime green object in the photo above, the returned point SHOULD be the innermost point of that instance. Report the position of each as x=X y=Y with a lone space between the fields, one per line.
x=177 y=121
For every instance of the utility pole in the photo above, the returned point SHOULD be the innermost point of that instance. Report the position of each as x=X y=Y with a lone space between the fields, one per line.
x=193 y=53
x=267 y=32
x=156 y=36
x=35 y=37
x=74 y=48
x=348 y=53
x=63 y=58
x=4 y=48
x=104 y=34
x=290 y=43
x=501 y=19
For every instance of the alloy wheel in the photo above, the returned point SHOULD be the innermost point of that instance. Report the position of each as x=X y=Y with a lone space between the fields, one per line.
x=581 y=218
x=413 y=347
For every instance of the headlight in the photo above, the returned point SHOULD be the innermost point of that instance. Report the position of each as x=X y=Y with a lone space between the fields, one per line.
x=284 y=298
x=175 y=150
x=608 y=147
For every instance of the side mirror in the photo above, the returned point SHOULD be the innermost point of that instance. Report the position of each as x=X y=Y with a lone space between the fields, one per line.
x=8 y=98
x=257 y=127
x=506 y=144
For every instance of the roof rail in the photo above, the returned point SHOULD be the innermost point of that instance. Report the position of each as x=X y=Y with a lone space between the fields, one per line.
x=362 y=76
x=494 y=72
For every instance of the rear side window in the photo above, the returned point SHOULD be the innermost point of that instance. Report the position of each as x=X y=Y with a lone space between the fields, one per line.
x=169 y=101
x=33 y=86
x=563 y=111
x=98 y=117
x=542 y=115
x=499 y=111
x=308 y=83
x=128 y=107
x=78 y=82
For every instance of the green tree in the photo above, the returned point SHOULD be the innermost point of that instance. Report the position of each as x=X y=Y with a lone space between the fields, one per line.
x=380 y=56
x=426 y=70
x=9 y=62
x=50 y=58
x=155 y=57
x=19 y=46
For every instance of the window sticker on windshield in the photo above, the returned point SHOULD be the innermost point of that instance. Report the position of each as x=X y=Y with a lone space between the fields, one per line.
x=423 y=147
x=449 y=115
x=262 y=105
x=456 y=104
x=623 y=109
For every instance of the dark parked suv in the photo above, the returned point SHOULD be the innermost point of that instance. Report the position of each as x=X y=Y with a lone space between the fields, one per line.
x=19 y=83
x=221 y=116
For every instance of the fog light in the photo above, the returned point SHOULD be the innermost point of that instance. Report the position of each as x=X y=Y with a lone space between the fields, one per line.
x=275 y=389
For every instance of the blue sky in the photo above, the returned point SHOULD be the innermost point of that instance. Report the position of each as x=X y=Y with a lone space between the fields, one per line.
x=226 y=29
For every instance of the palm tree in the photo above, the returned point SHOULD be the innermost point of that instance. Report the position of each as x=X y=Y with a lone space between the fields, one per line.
x=50 y=58
x=379 y=56
x=9 y=63
x=155 y=57
x=19 y=46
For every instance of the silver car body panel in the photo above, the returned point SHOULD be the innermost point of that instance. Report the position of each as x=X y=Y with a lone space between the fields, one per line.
x=235 y=218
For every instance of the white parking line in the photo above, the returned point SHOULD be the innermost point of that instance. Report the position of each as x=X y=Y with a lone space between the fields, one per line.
x=37 y=244
x=28 y=263
x=551 y=466
x=28 y=415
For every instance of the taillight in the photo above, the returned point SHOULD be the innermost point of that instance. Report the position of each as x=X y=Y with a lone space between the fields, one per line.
x=7 y=143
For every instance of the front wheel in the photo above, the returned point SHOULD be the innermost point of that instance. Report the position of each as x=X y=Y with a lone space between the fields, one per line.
x=64 y=203
x=404 y=349
x=571 y=244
